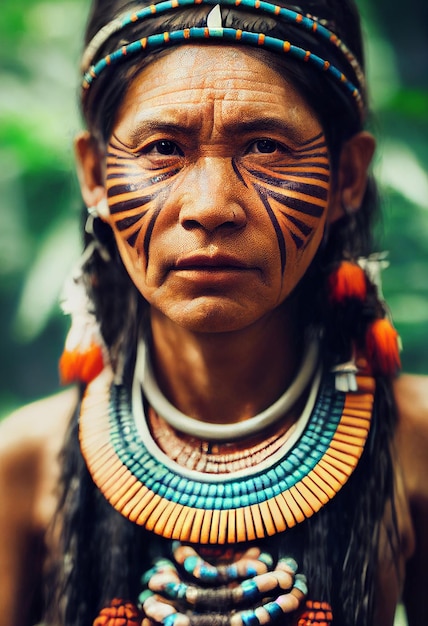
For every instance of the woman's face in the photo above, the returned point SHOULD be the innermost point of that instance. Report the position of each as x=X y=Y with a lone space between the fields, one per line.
x=218 y=181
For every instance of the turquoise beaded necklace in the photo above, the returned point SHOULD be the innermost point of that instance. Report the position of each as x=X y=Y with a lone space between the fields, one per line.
x=143 y=484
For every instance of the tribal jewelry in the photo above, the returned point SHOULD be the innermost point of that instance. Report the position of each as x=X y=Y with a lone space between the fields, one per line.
x=171 y=597
x=215 y=32
x=121 y=612
x=213 y=457
x=224 y=432
x=145 y=486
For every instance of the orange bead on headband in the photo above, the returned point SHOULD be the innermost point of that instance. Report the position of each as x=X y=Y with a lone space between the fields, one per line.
x=215 y=32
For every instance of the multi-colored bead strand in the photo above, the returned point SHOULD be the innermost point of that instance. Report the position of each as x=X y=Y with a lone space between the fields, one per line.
x=258 y=591
x=218 y=33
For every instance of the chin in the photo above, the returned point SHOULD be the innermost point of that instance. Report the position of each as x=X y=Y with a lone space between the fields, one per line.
x=211 y=317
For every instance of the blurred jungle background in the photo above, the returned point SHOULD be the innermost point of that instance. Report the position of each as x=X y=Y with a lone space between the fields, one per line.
x=40 y=204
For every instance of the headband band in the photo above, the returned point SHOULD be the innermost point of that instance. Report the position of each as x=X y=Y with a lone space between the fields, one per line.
x=214 y=31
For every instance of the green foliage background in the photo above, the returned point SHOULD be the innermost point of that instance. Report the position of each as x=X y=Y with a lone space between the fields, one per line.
x=40 y=204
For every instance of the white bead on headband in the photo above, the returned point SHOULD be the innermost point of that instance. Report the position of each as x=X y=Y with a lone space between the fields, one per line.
x=215 y=31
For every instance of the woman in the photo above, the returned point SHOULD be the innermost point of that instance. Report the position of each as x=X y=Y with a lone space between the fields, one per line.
x=241 y=451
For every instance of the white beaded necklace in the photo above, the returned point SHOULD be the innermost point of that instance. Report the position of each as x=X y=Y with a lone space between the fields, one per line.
x=224 y=432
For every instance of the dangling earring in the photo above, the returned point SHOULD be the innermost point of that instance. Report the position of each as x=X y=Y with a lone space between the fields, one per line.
x=346 y=293
x=95 y=213
x=355 y=293
x=101 y=209
x=383 y=347
x=347 y=281
x=85 y=353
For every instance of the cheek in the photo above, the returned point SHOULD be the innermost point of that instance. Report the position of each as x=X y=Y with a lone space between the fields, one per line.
x=294 y=193
x=135 y=201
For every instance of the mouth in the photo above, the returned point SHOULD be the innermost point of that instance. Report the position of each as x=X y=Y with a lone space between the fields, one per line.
x=216 y=263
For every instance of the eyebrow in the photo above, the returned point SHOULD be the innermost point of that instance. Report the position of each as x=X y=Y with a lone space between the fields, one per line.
x=266 y=124
x=263 y=124
x=145 y=128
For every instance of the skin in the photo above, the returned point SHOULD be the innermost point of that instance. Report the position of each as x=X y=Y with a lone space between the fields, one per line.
x=215 y=234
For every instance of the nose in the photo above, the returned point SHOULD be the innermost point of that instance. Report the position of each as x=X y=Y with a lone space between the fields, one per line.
x=212 y=199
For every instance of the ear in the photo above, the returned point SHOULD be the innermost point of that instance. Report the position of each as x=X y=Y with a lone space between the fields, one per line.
x=352 y=177
x=89 y=166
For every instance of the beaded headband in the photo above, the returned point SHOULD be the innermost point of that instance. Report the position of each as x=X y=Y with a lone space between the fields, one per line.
x=215 y=32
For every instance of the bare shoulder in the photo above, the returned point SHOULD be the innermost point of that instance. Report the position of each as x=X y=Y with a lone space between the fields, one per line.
x=411 y=395
x=30 y=440
x=36 y=424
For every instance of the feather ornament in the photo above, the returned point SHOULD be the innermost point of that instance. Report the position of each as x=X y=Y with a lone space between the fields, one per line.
x=347 y=281
x=85 y=353
x=383 y=347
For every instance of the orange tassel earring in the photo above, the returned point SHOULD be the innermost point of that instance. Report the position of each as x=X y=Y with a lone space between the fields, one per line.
x=347 y=281
x=383 y=347
x=80 y=363
x=84 y=353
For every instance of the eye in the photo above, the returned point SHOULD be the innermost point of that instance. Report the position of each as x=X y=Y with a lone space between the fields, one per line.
x=266 y=146
x=163 y=147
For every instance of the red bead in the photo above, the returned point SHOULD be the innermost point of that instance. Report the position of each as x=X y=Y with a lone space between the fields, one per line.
x=119 y=613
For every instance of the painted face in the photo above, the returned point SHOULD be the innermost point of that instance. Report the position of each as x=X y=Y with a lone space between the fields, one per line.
x=217 y=179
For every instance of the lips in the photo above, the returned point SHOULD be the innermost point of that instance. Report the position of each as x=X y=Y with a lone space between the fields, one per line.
x=220 y=262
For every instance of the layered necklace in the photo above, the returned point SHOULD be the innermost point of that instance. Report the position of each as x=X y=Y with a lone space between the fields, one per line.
x=222 y=484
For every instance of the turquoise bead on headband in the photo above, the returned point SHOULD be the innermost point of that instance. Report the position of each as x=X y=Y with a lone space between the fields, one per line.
x=215 y=32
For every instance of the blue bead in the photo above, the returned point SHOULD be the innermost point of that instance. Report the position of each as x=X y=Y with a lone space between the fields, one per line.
x=212 y=490
x=274 y=610
x=207 y=572
x=250 y=590
x=220 y=490
x=169 y=620
x=232 y=571
x=175 y=591
x=244 y=500
x=190 y=563
x=228 y=490
x=300 y=583
x=221 y=503
x=249 y=618
x=266 y=558
x=144 y=595
x=290 y=562
x=147 y=575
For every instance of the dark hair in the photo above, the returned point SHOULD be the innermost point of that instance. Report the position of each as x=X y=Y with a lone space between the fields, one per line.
x=349 y=237
x=338 y=546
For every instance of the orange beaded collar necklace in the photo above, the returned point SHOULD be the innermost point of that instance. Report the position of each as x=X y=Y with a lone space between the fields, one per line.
x=178 y=501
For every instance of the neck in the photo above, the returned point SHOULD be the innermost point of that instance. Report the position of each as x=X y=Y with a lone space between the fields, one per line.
x=225 y=377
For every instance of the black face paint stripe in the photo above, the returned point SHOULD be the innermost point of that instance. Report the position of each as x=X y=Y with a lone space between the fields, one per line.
x=279 y=234
x=322 y=178
x=312 y=139
x=129 y=205
x=238 y=173
x=314 y=191
x=303 y=206
x=302 y=226
x=131 y=220
x=149 y=231
x=297 y=240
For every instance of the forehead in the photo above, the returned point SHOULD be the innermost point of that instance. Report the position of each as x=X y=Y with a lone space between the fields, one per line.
x=227 y=82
